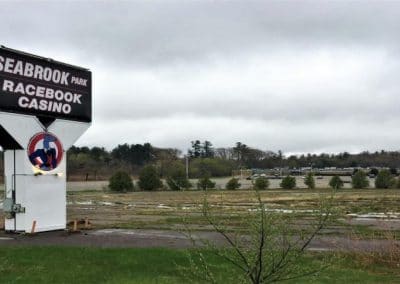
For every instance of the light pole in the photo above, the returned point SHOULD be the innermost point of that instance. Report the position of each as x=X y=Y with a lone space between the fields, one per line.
x=187 y=166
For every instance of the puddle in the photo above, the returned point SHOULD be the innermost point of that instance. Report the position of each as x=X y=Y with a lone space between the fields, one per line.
x=188 y=207
x=82 y=203
x=162 y=206
x=90 y=202
x=373 y=215
x=106 y=203
x=285 y=211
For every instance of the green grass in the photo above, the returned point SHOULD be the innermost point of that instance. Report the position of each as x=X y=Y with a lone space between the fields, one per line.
x=156 y=265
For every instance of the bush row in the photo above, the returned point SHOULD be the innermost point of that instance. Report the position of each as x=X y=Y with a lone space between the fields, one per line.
x=176 y=180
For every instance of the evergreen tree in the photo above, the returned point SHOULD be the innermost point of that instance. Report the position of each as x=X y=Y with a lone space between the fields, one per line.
x=121 y=181
x=360 y=180
x=336 y=182
x=384 y=179
x=149 y=179
x=261 y=183
x=309 y=180
x=233 y=184
x=288 y=182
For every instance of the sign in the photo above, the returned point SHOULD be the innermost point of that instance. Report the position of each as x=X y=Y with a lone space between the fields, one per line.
x=40 y=86
x=45 y=151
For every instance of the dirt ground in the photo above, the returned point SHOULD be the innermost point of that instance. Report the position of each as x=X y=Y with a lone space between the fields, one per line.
x=147 y=219
x=375 y=209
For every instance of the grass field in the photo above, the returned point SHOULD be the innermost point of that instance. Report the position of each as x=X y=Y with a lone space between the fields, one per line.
x=96 y=265
x=167 y=209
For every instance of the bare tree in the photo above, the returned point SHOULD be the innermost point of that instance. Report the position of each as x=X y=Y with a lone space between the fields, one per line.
x=270 y=250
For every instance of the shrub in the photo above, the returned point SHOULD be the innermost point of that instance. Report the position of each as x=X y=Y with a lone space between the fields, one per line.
x=261 y=183
x=121 y=182
x=384 y=179
x=288 y=182
x=271 y=253
x=149 y=179
x=336 y=182
x=309 y=180
x=176 y=178
x=233 y=184
x=178 y=183
x=205 y=183
x=359 y=180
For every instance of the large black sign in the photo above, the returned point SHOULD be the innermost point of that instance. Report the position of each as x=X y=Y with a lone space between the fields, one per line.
x=43 y=87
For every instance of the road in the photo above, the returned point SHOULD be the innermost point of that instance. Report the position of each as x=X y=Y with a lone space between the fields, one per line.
x=171 y=239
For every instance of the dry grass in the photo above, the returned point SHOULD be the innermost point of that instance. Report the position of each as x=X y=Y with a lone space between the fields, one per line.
x=165 y=209
x=384 y=249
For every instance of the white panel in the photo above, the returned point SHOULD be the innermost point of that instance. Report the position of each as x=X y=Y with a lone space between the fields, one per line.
x=68 y=131
x=43 y=196
x=21 y=127
x=8 y=182
x=8 y=171
x=44 y=199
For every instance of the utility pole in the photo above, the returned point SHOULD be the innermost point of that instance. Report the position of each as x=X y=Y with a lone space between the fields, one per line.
x=187 y=166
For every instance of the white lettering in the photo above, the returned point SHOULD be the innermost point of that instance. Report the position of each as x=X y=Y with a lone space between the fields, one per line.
x=66 y=108
x=40 y=91
x=43 y=105
x=77 y=99
x=20 y=89
x=58 y=95
x=68 y=97
x=47 y=74
x=78 y=81
x=56 y=76
x=38 y=72
x=30 y=90
x=8 y=86
x=49 y=94
x=1 y=63
x=57 y=107
x=33 y=104
x=23 y=102
x=19 y=68
x=28 y=70
x=9 y=65
x=64 y=78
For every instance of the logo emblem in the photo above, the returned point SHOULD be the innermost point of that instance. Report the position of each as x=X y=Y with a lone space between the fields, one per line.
x=45 y=151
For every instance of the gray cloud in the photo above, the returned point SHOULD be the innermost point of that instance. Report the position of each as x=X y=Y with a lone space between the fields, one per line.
x=274 y=74
x=153 y=33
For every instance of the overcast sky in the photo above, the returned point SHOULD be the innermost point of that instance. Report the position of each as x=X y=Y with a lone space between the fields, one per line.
x=300 y=76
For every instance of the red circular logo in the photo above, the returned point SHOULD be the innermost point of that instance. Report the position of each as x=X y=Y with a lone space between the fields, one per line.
x=45 y=151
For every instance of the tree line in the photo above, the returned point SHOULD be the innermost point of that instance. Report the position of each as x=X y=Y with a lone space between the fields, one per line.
x=96 y=163
x=204 y=158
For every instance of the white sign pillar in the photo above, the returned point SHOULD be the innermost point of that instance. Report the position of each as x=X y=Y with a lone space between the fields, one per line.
x=36 y=197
